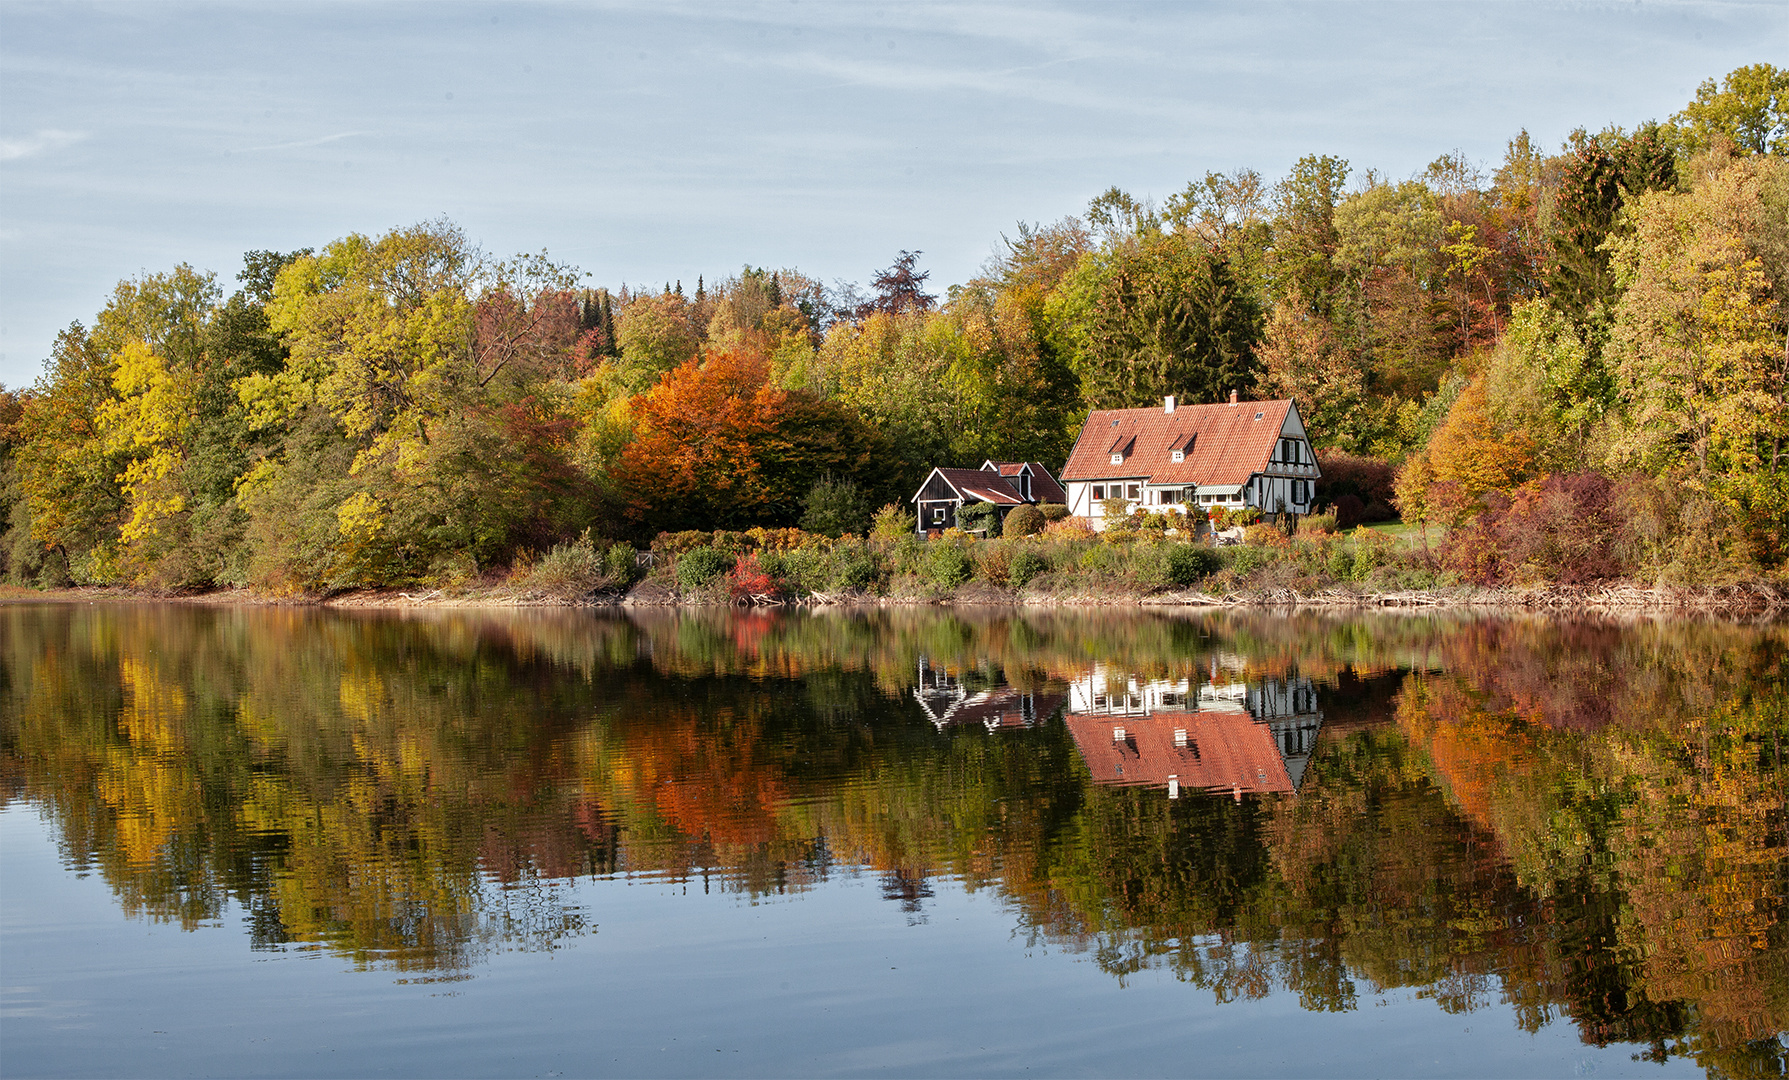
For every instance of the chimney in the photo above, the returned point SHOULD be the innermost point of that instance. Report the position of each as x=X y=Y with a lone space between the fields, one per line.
x=1232 y=397
x=1168 y=404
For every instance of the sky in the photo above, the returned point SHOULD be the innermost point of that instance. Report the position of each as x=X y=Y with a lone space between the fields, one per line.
x=652 y=143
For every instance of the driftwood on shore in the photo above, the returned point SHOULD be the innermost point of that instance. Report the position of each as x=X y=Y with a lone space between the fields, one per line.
x=1756 y=599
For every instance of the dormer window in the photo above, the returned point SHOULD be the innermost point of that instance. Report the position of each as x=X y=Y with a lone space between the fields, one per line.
x=1118 y=459
x=1177 y=456
x=1259 y=415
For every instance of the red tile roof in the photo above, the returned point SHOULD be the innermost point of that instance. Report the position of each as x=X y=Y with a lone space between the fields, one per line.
x=1228 y=443
x=1225 y=751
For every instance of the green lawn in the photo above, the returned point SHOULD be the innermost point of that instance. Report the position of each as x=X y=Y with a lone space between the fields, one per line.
x=1408 y=534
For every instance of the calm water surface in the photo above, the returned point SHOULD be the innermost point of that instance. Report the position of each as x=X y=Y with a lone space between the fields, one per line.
x=271 y=842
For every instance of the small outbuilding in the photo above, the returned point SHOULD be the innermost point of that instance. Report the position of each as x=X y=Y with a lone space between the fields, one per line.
x=1005 y=484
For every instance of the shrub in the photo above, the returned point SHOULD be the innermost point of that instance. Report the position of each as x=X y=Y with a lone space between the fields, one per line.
x=1318 y=523
x=892 y=522
x=620 y=565
x=1247 y=560
x=1023 y=521
x=1052 y=511
x=1219 y=516
x=1188 y=563
x=1349 y=511
x=1024 y=566
x=575 y=567
x=979 y=517
x=749 y=580
x=853 y=567
x=701 y=565
x=1263 y=535
x=1561 y=527
x=991 y=562
x=1073 y=528
x=1115 y=507
x=947 y=565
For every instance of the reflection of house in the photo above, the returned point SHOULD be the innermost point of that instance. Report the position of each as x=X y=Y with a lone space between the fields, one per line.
x=1254 y=737
x=948 y=703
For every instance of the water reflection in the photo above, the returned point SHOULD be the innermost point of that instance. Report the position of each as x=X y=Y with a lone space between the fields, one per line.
x=1229 y=736
x=1584 y=820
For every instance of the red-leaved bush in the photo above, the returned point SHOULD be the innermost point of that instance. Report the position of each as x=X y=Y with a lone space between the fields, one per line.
x=750 y=580
x=1560 y=528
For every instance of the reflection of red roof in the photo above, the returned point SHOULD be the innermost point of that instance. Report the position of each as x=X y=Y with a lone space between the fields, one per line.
x=1228 y=443
x=1224 y=751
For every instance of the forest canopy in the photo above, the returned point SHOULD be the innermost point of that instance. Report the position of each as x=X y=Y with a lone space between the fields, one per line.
x=406 y=408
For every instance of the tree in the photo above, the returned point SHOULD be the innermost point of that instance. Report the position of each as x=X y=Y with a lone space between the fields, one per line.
x=1162 y=316
x=719 y=446
x=1601 y=174
x=835 y=506
x=1698 y=349
x=901 y=287
x=1748 y=113
x=1305 y=237
x=1303 y=357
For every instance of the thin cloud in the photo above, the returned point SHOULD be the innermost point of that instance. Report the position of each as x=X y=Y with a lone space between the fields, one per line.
x=41 y=143
x=304 y=142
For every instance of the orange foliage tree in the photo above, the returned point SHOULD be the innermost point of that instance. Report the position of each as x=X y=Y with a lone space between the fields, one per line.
x=719 y=446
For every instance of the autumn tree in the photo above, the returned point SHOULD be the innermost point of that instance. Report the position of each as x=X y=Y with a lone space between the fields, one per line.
x=720 y=446
x=1698 y=349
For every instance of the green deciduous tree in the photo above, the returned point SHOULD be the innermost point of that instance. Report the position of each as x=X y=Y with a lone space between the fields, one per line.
x=1748 y=113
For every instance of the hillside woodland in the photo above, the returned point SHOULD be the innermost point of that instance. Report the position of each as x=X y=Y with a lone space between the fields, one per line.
x=1572 y=364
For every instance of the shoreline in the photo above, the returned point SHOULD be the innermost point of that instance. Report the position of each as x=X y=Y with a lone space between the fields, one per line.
x=1751 y=599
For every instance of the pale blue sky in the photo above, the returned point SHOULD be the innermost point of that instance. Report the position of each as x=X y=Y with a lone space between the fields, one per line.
x=645 y=143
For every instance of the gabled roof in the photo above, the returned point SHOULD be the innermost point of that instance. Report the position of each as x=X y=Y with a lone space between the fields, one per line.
x=1224 y=751
x=977 y=485
x=1044 y=487
x=1229 y=442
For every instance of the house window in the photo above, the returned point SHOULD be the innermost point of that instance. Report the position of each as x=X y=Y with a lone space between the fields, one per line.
x=1099 y=492
x=937 y=515
x=1118 y=459
x=1134 y=492
x=1178 y=455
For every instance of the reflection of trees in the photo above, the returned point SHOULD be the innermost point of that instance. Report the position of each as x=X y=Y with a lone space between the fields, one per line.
x=409 y=792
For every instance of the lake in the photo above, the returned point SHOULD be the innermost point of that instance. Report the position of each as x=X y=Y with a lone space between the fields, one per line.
x=297 y=842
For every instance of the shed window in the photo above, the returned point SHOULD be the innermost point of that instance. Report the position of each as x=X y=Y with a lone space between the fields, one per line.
x=937 y=515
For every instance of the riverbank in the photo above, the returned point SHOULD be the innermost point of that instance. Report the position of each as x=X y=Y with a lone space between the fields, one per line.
x=1756 y=598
